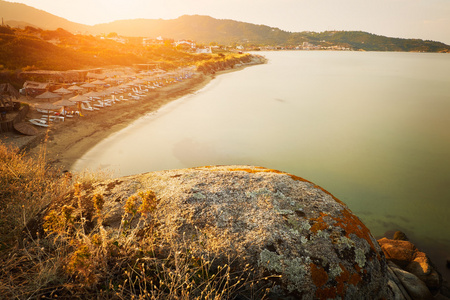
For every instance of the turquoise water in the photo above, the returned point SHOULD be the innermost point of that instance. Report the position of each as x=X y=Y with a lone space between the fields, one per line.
x=371 y=128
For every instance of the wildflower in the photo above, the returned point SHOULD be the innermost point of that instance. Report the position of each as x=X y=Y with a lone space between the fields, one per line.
x=148 y=202
x=98 y=203
x=130 y=205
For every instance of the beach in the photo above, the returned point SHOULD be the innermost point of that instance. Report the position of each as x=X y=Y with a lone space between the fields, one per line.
x=64 y=142
x=67 y=141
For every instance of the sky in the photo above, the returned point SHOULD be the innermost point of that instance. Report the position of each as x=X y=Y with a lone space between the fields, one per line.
x=423 y=19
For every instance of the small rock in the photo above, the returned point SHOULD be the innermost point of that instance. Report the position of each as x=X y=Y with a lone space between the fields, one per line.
x=398 y=295
x=420 y=266
x=433 y=280
x=445 y=289
x=401 y=236
x=395 y=285
x=415 y=287
x=399 y=252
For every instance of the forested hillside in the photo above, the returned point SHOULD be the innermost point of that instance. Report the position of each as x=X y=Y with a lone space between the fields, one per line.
x=208 y=30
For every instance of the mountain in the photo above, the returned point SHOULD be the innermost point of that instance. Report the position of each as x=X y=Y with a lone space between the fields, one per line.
x=205 y=29
x=17 y=14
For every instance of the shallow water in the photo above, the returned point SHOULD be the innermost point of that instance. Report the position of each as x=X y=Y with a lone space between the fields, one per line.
x=371 y=128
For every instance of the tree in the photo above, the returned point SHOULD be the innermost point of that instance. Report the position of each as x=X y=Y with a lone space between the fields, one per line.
x=112 y=35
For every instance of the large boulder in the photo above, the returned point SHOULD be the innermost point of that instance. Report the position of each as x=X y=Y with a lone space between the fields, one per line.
x=288 y=229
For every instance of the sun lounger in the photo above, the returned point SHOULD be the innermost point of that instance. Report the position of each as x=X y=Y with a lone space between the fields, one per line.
x=53 y=118
x=136 y=91
x=114 y=99
x=134 y=97
x=38 y=122
x=107 y=102
x=142 y=90
x=102 y=104
x=123 y=99
x=87 y=106
x=98 y=105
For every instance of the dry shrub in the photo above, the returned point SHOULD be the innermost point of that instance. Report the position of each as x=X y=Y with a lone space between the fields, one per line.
x=27 y=185
x=69 y=254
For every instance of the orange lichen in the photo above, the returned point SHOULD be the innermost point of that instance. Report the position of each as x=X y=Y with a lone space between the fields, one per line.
x=297 y=178
x=318 y=275
x=342 y=279
x=355 y=279
x=326 y=293
x=319 y=223
x=353 y=225
x=346 y=278
x=349 y=222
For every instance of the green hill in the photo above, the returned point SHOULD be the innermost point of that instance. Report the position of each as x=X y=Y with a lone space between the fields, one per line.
x=59 y=50
x=17 y=14
x=206 y=30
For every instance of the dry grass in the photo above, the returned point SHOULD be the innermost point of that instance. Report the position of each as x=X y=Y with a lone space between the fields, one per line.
x=54 y=244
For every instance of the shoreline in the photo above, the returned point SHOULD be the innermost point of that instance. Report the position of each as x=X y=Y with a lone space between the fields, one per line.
x=64 y=143
x=68 y=141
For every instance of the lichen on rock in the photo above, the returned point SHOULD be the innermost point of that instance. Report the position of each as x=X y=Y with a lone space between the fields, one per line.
x=307 y=243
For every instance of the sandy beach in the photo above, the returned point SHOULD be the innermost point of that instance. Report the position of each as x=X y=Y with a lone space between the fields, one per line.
x=69 y=140
x=65 y=142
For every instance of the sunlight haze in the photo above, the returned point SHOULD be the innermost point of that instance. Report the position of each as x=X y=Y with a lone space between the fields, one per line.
x=428 y=20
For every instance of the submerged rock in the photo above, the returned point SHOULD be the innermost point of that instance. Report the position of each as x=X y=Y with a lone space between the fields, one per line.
x=307 y=243
x=399 y=235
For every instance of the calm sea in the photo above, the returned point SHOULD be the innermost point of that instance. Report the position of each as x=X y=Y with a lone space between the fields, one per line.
x=371 y=128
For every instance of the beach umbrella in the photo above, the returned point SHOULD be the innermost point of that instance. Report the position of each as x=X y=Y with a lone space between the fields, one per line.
x=47 y=107
x=75 y=88
x=98 y=82
x=107 y=92
x=94 y=94
x=111 y=80
x=25 y=128
x=139 y=81
x=48 y=95
x=113 y=90
x=62 y=91
x=78 y=99
x=95 y=75
x=124 y=87
x=88 y=85
x=64 y=103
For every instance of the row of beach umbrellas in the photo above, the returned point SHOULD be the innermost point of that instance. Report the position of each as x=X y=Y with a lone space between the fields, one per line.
x=71 y=101
x=86 y=97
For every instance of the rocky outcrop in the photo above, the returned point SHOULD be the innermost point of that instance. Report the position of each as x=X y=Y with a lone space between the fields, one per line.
x=296 y=236
x=410 y=268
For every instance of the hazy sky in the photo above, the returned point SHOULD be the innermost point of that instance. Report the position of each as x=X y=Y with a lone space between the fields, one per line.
x=424 y=19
